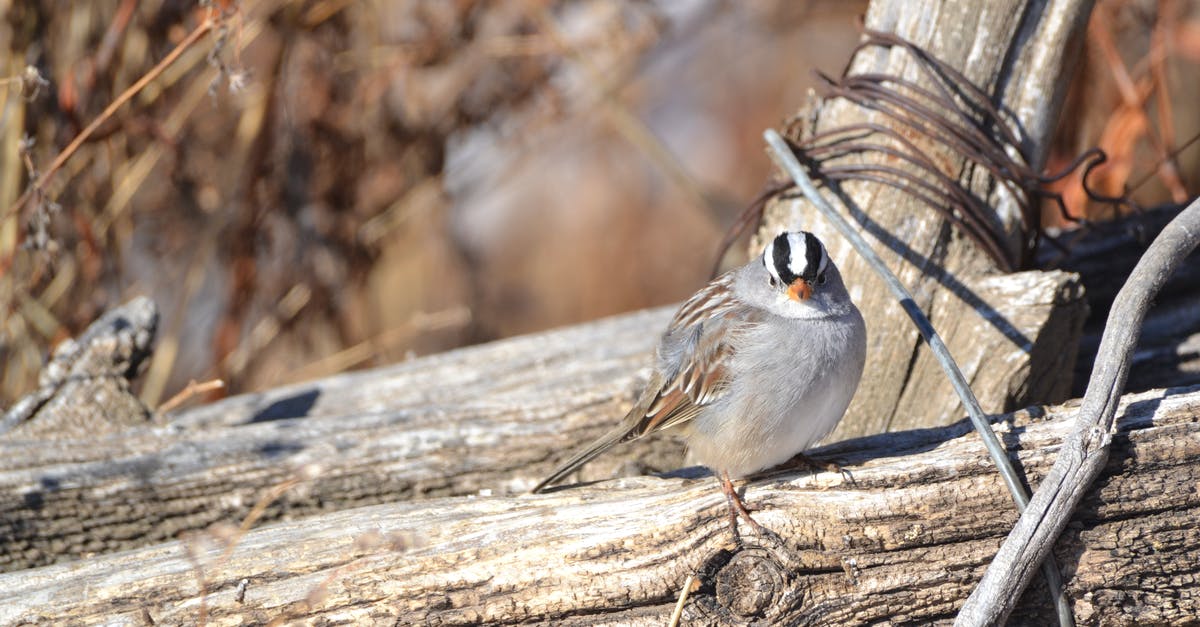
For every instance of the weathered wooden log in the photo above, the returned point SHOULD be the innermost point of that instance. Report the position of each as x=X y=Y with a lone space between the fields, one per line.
x=448 y=424
x=495 y=417
x=1083 y=455
x=1016 y=51
x=904 y=541
x=573 y=382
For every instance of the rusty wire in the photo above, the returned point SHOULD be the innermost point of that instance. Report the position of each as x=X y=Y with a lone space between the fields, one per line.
x=954 y=114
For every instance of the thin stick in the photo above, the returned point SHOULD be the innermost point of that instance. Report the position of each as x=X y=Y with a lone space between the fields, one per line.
x=677 y=615
x=193 y=388
x=256 y=512
x=190 y=552
x=782 y=154
x=1084 y=453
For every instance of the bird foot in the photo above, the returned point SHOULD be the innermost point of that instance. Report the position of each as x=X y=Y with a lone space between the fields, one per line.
x=737 y=507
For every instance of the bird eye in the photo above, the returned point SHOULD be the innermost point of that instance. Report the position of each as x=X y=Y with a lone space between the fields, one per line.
x=821 y=279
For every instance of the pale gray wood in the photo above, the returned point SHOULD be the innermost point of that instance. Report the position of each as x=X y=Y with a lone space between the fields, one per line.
x=493 y=417
x=1085 y=451
x=904 y=542
x=496 y=417
x=1018 y=50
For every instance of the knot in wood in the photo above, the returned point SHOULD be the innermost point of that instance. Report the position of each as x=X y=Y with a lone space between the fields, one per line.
x=750 y=583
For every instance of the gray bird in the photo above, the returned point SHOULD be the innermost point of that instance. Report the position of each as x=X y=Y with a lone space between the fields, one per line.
x=756 y=367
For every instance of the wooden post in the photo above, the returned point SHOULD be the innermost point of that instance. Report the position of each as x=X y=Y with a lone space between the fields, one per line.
x=1018 y=51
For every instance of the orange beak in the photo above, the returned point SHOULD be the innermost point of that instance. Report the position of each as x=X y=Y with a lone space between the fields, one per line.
x=799 y=290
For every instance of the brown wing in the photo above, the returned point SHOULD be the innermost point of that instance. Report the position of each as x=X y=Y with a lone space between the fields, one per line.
x=692 y=371
x=697 y=353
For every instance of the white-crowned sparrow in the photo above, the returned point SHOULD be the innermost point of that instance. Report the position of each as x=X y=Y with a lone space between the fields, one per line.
x=754 y=368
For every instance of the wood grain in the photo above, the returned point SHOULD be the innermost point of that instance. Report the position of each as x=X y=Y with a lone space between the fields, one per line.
x=905 y=542
x=499 y=417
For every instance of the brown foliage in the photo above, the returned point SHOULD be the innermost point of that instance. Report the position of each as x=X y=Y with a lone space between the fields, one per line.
x=321 y=185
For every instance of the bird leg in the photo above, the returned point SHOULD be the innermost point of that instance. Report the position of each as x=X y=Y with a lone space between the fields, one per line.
x=736 y=506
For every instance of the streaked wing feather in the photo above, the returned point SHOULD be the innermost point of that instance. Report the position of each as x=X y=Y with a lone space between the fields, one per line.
x=705 y=323
x=697 y=377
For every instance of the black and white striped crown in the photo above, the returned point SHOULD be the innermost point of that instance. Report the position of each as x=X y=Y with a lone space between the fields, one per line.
x=795 y=255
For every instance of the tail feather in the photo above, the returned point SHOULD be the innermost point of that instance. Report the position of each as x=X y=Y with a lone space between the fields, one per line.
x=620 y=434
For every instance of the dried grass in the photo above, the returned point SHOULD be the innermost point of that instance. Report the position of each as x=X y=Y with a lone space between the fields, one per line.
x=304 y=188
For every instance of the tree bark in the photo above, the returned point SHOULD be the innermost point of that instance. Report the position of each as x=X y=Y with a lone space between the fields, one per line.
x=84 y=390
x=1016 y=50
x=492 y=416
x=904 y=541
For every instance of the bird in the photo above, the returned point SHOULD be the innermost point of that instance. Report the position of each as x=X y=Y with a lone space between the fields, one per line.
x=753 y=369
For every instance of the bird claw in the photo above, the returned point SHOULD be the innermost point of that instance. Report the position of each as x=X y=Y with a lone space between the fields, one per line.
x=802 y=461
x=737 y=507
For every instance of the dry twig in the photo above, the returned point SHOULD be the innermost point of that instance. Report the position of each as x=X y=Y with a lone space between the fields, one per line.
x=39 y=185
x=193 y=389
x=688 y=587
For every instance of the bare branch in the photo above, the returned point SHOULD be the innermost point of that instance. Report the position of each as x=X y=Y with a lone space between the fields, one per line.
x=1085 y=451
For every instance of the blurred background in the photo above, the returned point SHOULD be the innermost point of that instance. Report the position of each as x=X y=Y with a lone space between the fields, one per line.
x=316 y=186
